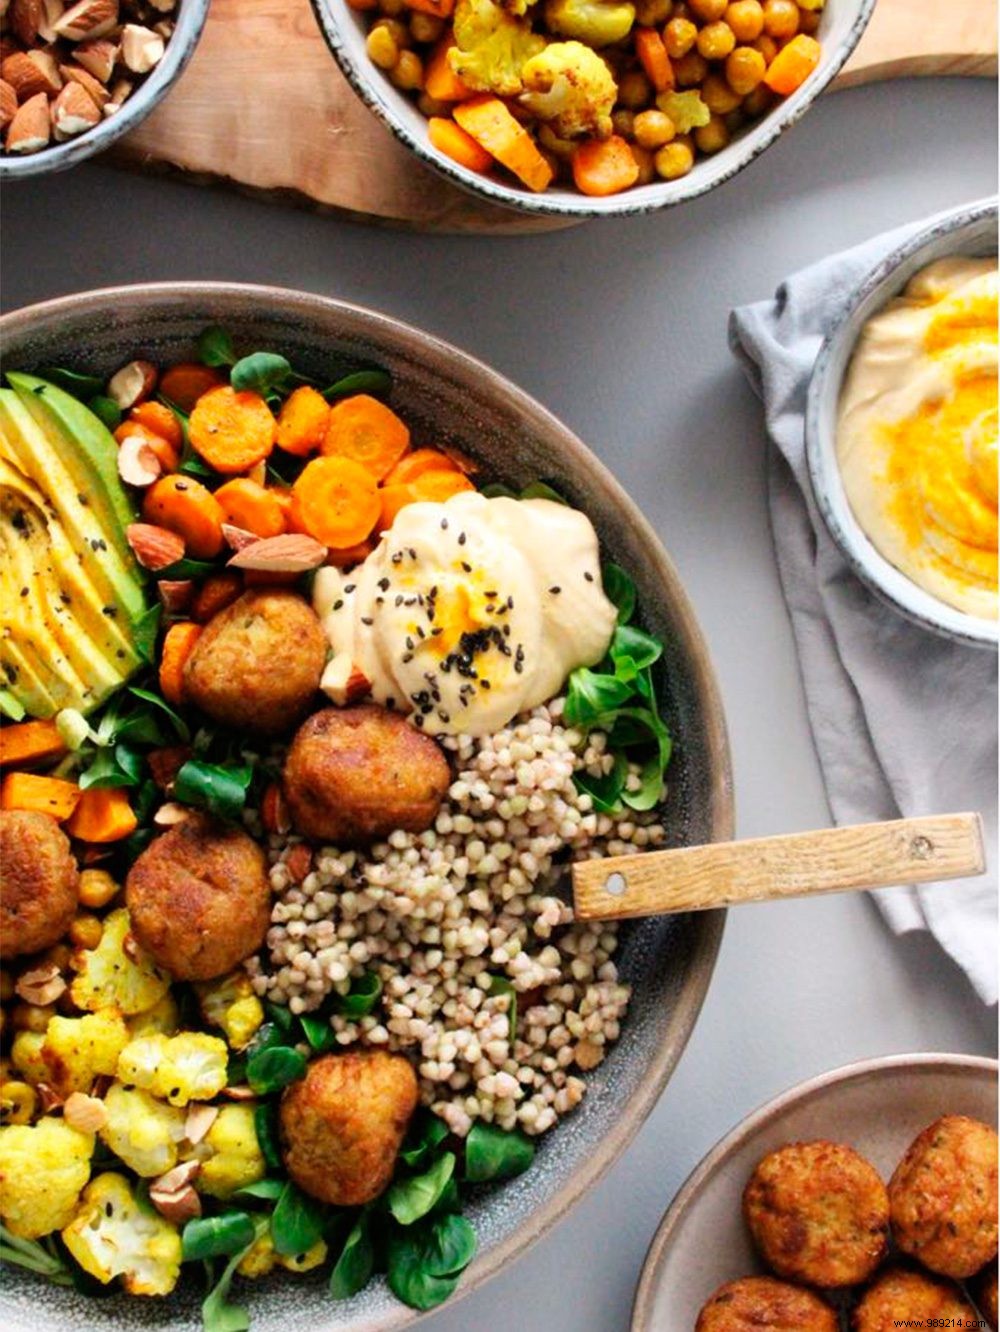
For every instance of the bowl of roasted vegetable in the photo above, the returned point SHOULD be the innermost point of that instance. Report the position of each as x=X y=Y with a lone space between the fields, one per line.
x=325 y=652
x=589 y=108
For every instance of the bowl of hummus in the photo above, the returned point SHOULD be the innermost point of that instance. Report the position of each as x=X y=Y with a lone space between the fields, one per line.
x=901 y=428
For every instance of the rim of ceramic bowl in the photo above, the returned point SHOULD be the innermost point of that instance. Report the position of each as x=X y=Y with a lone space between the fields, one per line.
x=972 y=222
x=440 y=356
x=191 y=15
x=731 y=1142
x=373 y=87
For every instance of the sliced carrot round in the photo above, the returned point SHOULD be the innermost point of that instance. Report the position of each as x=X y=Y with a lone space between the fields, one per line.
x=367 y=432
x=183 y=505
x=160 y=420
x=251 y=506
x=436 y=486
x=232 y=431
x=184 y=384
x=302 y=422
x=416 y=463
x=346 y=556
x=335 y=500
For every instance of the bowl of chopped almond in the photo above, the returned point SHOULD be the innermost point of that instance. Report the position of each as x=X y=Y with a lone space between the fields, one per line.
x=74 y=77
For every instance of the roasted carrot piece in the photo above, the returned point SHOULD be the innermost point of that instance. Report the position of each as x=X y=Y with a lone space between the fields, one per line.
x=102 y=814
x=652 y=53
x=178 y=644
x=346 y=556
x=368 y=432
x=216 y=593
x=44 y=795
x=416 y=463
x=335 y=500
x=251 y=506
x=168 y=456
x=439 y=8
x=232 y=431
x=158 y=419
x=604 y=166
x=436 y=485
x=392 y=499
x=30 y=742
x=793 y=64
x=440 y=80
x=494 y=128
x=184 y=505
x=302 y=422
x=184 y=384
x=452 y=140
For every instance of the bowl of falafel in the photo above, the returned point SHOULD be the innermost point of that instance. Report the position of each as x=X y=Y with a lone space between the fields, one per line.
x=864 y=1198
x=332 y=650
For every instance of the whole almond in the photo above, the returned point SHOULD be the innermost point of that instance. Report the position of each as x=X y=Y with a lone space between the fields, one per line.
x=97 y=58
x=294 y=552
x=154 y=547
x=87 y=19
x=25 y=18
x=94 y=89
x=8 y=103
x=25 y=76
x=86 y=1113
x=74 y=111
x=46 y=64
x=30 y=129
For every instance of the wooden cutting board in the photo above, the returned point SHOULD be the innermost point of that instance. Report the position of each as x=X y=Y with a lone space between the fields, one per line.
x=264 y=107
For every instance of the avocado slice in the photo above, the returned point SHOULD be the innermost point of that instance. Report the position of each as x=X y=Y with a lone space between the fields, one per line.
x=71 y=590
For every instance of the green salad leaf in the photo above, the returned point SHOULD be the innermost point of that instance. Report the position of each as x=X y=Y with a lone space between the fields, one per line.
x=220 y=790
x=493 y=1153
x=261 y=372
x=353 y=1269
x=377 y=383
x=410 y=1198
x=215 y=347
x=297 y=1222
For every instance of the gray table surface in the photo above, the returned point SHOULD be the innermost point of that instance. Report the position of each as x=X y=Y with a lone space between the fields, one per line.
x=620 y=329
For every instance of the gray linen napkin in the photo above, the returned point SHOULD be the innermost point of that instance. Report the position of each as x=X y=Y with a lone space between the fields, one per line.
x=904 y=722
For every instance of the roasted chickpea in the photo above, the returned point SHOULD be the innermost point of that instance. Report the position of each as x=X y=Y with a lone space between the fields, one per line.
x=715 y=41
x=758 y=102
x=634 y=90
x=718 y=95
x=809 y=21
x=652 y=129
x=651 y=13
x=767 y=46
x=746 y=18
x=674 y=160
x=392 y=7
x=707 y=10
x=97 y=888
x=623 y=123
x=6 y=986
x=429 y=106
x=745 y=68
x=679 y=37
x=408 y=71
x=425 y=27
x=17 y=1103
x=57 y=956
x=31 y=1017
x=644 y=161
x=690 y=70
x=396 y=29
x=735 y=120
x=563 y=149
x=382 y=49
x=781 y=18
x=712 y=137
x=86 y=931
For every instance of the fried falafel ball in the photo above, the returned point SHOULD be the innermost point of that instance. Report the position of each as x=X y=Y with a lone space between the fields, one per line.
x=759 y=1302
x=353 y=775
x=39 y=882
x=899 y=1297
x=943 y=1197
x=257 y=664
x=984 y=1290
x=818 y=1213
x=343 y=1123
x=199 y=898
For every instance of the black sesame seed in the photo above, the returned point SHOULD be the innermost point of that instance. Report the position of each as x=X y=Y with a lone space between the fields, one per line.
x=461 y=538
x=350 y=587
x=555 y=589
x=444 y=524
x=467 y=567
x=589 y=577
x=337 y=605
x=383 y=583
x=367 y=619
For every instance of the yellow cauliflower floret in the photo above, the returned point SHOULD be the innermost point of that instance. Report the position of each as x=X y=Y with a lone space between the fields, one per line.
x=491 y=46
x=43 y=1167
x=26 y=1056
x=117 y=973
x=260 y=1258
x=570 y=85
x=77 y=1050
x=687 y=110
x=142 y=1131
x=112 y=1235
x=231 y=1004
x=163 y=1017
x=188 y=1067
x=229 y=1153
x=596 y=22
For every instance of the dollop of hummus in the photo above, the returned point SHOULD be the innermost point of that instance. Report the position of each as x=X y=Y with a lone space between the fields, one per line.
x=917 y=433
x=468 y=611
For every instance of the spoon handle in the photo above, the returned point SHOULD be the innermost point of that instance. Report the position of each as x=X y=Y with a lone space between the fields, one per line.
x=831 y=860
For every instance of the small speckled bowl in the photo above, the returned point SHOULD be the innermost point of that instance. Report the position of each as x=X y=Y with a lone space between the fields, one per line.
x=191 y=15
x=972 y=231
x=878 y=1107
x=345 y=30
x=451 y=399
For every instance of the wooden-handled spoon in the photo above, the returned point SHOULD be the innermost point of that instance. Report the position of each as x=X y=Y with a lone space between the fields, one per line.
x=833 y=860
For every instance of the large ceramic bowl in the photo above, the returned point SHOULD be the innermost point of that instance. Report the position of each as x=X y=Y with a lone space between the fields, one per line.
x=878 y=1107
x=191 y=15
x=972 y=231
x=345 y=29
x=450 y=398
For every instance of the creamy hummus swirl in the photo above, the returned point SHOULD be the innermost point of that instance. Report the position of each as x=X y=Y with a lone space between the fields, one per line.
x=469 y=611
x=917 y=433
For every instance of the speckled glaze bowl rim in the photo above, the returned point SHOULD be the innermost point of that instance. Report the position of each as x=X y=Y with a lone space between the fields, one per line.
x=713 y=1162
x=191 y=15
x=888 y=583
x=375 y=326
x=374 y=89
